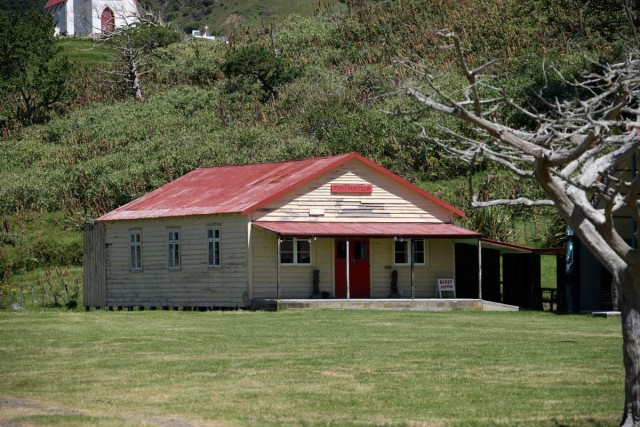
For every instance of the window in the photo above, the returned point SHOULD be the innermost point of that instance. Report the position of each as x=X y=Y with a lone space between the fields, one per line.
x=135 y=251
x=418 y=252
x=401 y=252
x=213 y=247
x=295 y=251
x=359 y=250
x=174 y=250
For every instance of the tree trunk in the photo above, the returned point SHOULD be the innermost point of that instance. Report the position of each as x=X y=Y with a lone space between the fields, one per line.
x=134 y=78
x=629 y=302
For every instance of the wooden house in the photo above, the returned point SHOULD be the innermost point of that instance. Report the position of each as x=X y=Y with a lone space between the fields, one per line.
x=332 y=227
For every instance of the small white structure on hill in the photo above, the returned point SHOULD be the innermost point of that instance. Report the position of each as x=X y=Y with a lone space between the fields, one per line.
x=197 y=34
x=88 y=17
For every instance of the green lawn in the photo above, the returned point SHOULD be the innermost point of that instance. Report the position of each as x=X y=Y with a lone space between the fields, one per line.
x=85 y=51
x=308 y=368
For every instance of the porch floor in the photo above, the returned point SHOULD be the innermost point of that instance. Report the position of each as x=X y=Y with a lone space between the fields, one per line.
x=430 y=304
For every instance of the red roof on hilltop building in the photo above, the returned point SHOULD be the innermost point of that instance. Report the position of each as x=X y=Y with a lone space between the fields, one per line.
x=243 y=189
x=52 y=3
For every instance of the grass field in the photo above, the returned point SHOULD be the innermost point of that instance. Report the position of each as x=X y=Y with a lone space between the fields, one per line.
x=179 y=369
x=85 y=52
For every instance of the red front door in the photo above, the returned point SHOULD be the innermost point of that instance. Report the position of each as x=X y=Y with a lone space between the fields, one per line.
x=359 y=286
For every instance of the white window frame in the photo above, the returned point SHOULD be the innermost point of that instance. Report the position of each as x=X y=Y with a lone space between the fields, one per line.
x=213 y=247
x=135 y=250
x=174 y=248
x=407 y=244
x=296 y=241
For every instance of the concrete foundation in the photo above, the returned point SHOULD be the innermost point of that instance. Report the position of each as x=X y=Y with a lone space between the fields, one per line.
x=457 y=304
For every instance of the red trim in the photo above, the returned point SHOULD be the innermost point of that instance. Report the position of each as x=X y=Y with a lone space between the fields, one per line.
x=506 y=246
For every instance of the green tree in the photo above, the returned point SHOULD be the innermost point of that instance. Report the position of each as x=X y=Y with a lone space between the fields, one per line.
x=21 y=5
x=258 y=62
x=34 y=75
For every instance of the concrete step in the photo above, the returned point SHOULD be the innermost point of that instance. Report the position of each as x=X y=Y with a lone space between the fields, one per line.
x=432 y=304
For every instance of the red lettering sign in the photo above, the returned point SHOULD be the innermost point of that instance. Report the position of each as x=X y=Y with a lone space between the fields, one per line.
x=352 y=188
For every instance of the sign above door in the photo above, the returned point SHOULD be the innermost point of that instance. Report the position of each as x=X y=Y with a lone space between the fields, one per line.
x=351 y=188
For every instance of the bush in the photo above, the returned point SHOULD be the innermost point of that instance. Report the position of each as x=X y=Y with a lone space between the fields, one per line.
x=494 y=223
x=30 y=240
x=255 y=61
x=50 y=251
x=196 y=62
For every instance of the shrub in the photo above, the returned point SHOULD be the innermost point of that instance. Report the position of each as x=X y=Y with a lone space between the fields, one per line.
x=494 y=223
x=196 y=62
x=257 y=62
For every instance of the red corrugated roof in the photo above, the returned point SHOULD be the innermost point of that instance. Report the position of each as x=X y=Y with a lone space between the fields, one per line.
x=368 y=229
x=52 y=3
x=242 y=189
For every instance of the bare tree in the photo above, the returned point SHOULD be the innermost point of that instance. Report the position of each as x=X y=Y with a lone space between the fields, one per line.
x=132 y=44
x=581 y=152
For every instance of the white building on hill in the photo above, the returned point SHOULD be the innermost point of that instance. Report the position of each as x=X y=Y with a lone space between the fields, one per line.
x=88 y=17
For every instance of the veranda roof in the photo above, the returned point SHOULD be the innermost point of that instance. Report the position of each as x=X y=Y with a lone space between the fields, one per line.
x=366 y=229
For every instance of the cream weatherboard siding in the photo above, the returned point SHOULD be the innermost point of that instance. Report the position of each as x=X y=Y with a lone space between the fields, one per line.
x=296 y=281
x=389 y=200
x=194 y=284
x=440 y=264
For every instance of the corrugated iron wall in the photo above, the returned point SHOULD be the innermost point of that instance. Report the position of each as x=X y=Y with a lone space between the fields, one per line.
x=95 y=272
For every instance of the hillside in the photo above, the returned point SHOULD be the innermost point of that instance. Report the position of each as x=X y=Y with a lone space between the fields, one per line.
x=21 y=5
x=224 y=16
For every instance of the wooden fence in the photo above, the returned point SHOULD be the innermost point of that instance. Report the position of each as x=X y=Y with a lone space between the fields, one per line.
x=95 y=271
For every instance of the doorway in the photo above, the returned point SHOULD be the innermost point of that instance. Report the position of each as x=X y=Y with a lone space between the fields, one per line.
x=359 y=276
x=108 y=21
